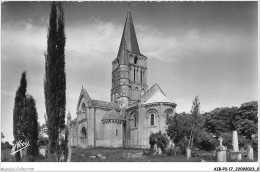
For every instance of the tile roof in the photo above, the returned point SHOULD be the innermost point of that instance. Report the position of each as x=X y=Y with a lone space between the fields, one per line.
x=112 y=115
x=99 y=103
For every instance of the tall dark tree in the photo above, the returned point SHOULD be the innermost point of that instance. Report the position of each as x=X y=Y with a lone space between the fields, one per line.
x=31 y=123
x=19 y=112
x=25 y=119
x=55 y=77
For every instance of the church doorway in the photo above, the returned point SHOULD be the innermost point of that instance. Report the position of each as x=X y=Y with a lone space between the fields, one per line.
x=83 y=137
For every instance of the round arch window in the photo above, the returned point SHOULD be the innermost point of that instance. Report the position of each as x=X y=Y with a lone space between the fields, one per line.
x=152 y=119
x=83 y=107
x=167 y=118
x=135 y=60
x=83 y=132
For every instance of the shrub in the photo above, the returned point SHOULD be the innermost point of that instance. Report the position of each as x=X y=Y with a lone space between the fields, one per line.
x=205 y=142
x=183 y=144
x=161 y=140
x=5 y=145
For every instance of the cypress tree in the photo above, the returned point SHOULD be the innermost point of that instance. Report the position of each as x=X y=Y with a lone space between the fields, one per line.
x=55 y=77
x=25 y=119
x=18 y=112
x=32 y=129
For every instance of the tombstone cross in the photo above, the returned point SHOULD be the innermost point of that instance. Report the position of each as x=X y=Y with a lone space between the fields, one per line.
x=220 y=141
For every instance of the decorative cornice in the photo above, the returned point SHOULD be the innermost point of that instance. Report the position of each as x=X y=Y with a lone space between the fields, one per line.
x=160 y=103
x=113 y=121
x=138 y=84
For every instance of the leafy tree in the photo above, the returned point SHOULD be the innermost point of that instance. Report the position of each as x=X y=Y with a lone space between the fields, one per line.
x=246 y=121
x=179 y=129
x=221 y=120
x=194 y=112
x=243 y=119
x=18 y=112
x=55 y=78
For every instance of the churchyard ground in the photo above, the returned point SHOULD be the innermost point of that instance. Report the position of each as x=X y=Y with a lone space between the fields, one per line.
x=116 y=155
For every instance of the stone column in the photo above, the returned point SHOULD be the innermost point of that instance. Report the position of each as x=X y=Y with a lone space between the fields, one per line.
x=235 y=154
x=188 y=152
x=235 y=141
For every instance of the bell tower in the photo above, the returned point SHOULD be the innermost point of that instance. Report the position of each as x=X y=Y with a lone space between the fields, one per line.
x=129 y=68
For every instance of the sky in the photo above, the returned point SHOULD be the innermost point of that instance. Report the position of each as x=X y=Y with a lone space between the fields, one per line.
x=207 y=49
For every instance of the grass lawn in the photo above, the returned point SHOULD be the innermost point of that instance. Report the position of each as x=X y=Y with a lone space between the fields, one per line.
x=115 y=155
x=6 y=157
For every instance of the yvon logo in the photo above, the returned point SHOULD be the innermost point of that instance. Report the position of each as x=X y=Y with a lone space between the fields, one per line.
x=18 y=146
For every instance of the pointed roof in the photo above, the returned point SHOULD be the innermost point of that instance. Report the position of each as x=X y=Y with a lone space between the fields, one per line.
x=157 y=97
x=129 y=40
x=149 y=93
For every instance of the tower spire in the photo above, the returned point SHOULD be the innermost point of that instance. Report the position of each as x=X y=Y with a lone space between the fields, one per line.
x=129 y=36
x=128 y=6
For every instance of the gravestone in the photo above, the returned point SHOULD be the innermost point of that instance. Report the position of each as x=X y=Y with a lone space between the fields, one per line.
x=157 y=150
x=188 y=152
x=250 y=153
x=235 y=153
x=221 y=151
x=43 y=150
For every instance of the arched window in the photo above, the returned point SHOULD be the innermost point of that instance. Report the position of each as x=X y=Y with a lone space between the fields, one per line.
x=135 y=61
x=134 y=74
x=83 y=107
x=83 y=138
x=135 y=121
x=136 y=93
x=130 y=91
x=141 y=76
x=167 y=118
x=83 y=132
x=152 y=119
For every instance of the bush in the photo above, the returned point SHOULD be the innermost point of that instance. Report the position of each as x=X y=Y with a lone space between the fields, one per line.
x=161 y=140
x=182 y=144
x=5 y=145
x=205 y=141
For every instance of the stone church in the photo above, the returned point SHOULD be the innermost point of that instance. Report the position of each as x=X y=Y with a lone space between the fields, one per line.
x=134 y=111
